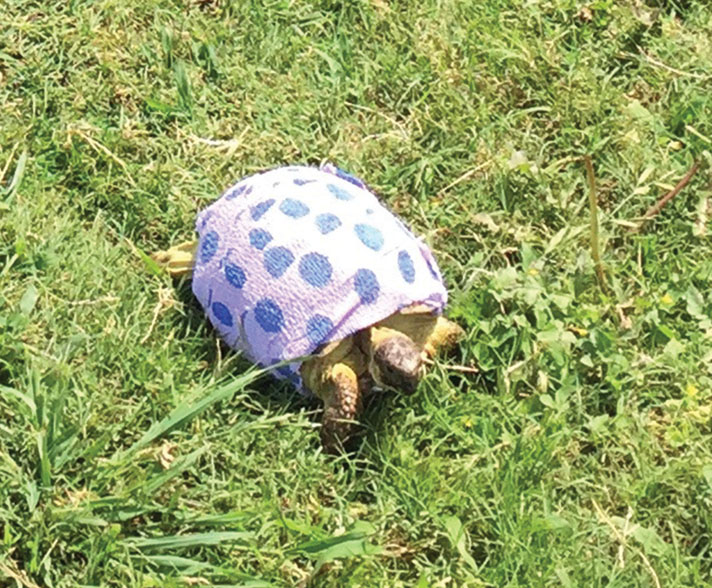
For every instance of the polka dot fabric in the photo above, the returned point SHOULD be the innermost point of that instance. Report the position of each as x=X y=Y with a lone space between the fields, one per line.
x=296 y=257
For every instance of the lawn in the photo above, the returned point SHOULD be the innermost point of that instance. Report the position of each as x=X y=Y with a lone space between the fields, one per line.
x=135 y=450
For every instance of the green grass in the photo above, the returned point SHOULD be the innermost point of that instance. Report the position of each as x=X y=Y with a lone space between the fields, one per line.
x=135 y=451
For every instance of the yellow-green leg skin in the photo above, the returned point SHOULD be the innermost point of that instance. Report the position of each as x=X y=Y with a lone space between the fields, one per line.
x=178 y=260
x=444 y=335
x=335 y=376
x=428 y=331
x=342 y=408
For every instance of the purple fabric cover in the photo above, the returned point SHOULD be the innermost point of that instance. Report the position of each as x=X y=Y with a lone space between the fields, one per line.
x=299 y=256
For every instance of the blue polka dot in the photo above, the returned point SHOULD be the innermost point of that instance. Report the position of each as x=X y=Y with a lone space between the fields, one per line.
x=300 y=182
x=370 y=236
x=277 y=260
x=406 y=267
x=222 y=313
x=327 y=222
x=340 y=193
x=319 y=327
x=369 y=211
x=259 y=209
x=294 y=208
x=269 y=315
x=366 y=286
x=244 y=189
x=259 y=238
x=315 y=269
x=235 y=275
x=208 y=246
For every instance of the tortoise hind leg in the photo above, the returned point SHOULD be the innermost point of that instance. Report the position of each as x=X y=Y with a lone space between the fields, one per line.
x=178 y=260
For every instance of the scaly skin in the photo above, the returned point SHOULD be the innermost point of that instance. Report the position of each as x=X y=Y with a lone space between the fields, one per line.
x=429 y=332
x=335 y=375
x=395 y=360
x=389 y=353
x=178 y=260
x=342 y=407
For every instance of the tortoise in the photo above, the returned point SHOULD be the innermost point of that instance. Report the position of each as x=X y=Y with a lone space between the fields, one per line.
x=301 y=268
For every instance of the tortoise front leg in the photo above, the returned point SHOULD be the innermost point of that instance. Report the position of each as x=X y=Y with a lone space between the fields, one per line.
x=430 y=332
x=444 y=335
x=343 y=404
x=337 y=376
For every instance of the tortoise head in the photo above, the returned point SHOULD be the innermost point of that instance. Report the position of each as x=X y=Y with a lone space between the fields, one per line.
x=395 y=360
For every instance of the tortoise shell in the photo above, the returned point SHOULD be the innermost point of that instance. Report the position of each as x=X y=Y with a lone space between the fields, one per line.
x=296 y=257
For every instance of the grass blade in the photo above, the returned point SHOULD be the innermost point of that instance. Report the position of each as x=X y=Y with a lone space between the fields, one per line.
x=29 y=300
x=184 y=94
x=24 y=398
x=187 y=565
x=185 y=413
x=355 y=543
x=593 y=202
x=179 y=466
x=177 y=562
x=457 y=535
x=190 y=540
x=228 y=518
x=18 y=175
x=167 y=44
